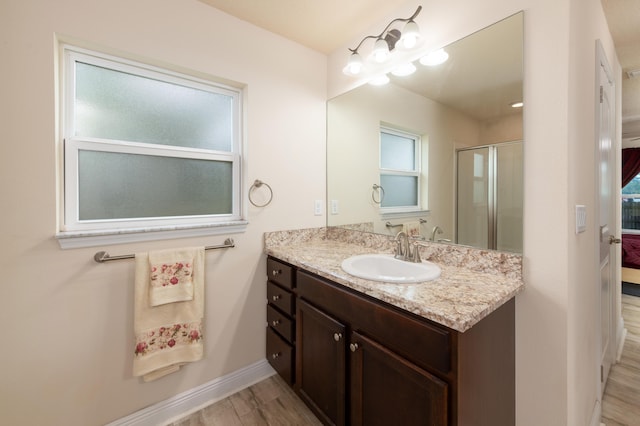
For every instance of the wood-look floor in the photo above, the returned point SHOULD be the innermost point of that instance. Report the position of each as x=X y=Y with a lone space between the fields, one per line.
x=621 y=402
x=272 y=402
x=269 y=402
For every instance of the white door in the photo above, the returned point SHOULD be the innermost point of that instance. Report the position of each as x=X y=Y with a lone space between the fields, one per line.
x=606 y=166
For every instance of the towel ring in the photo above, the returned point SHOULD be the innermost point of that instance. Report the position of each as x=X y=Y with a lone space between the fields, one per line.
x=380 y=191
x=257 y=184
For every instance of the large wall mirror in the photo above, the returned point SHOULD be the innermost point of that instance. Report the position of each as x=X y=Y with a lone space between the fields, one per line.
x=438 y=152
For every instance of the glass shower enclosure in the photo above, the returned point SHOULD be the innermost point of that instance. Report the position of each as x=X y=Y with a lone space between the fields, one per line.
x=489 y=197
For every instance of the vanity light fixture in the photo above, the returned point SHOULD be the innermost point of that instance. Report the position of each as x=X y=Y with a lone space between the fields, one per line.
x=434 y=58
x=380 y=80
x=385 y=43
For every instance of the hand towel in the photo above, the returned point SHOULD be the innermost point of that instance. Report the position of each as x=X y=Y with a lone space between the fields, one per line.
x=412 y=229
x=168 y=335
x=171 y=276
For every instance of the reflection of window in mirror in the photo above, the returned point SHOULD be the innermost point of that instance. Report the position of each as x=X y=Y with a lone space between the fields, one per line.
x=400 y=170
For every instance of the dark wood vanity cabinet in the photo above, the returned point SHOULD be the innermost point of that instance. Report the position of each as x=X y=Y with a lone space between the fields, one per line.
x=360 y=361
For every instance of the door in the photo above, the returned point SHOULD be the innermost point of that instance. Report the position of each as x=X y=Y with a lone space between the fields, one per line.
x=489 y=197
x=387 y=389
x=474 y=211
x=321 y=363
x=606 y=166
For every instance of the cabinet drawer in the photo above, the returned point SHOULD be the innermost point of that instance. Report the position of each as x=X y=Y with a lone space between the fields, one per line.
x=427 y=345
x=281 y=298
x=280 y=356
x=280 y=273
x=281 y=323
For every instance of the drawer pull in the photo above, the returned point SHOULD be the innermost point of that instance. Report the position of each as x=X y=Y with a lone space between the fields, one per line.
x=276 y=297
x=276 y=272
x=354 y=347
x=275 y=355
x=337 y=337
x=275 y=323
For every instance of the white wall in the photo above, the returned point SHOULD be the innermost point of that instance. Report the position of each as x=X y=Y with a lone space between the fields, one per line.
x=556 y=334
x=67 y=345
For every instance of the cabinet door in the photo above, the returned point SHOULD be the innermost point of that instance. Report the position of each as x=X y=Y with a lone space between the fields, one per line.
x=386 y=389
x=320 y=363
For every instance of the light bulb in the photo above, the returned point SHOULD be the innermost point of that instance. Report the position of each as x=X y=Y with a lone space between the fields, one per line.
x=434 y=58
x=380 y=80
x=404 y=70
x=410 y=35
x=355 y=64
x=380 y=50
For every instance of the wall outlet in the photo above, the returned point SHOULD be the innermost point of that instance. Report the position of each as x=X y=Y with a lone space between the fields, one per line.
x=317 y=208
x=334 y=207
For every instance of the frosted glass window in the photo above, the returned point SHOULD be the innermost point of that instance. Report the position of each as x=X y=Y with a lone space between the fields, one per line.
x=147 y=148
x=122 y=106
x=397 y=152
x=399 y=190
x=400 y=170
x=164 y=186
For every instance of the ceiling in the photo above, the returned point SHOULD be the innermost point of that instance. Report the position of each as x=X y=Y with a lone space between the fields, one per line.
x=326 y=25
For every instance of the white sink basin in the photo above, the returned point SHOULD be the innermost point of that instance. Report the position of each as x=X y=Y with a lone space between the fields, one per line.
x=386 y=268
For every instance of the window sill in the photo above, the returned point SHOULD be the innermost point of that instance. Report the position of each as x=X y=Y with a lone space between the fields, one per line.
x=404 y=215
x=79 y=239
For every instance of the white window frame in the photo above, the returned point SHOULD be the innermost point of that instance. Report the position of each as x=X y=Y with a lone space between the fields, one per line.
x=417 y=172
x=94 y=232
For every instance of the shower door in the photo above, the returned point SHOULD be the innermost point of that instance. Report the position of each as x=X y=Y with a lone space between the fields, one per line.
x=489 y=197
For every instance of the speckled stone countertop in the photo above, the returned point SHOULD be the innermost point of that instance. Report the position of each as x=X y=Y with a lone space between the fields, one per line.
x=473 y=282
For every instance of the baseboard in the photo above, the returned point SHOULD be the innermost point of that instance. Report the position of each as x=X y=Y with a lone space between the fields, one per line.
x=596 y=415
x=621 y=340
x=197 y=398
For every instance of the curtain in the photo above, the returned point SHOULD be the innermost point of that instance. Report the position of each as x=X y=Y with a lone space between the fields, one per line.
x=630 y=164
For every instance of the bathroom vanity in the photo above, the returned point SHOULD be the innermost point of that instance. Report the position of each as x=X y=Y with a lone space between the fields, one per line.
x=368 y=353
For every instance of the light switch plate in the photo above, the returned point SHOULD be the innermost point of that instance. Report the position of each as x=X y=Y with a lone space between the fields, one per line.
x=581 y=218
x=334 y=207
x=317 y=209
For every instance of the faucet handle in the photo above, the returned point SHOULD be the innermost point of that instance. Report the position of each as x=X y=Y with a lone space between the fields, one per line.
x=415 y=255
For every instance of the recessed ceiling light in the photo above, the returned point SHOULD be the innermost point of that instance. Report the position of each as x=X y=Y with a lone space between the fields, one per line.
x=518 y=104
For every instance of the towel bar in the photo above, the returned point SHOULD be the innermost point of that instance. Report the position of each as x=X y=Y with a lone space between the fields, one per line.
x=390 y=225
x=103 y=256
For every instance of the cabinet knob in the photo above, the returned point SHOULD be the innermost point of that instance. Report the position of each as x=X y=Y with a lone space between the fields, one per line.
x=275 y=355
x=337 y=337
x=276 y=272
x=354 y=347
x=276 y=297
x=275 y=323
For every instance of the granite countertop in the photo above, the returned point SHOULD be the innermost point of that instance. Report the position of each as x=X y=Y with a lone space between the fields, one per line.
x=473 y=283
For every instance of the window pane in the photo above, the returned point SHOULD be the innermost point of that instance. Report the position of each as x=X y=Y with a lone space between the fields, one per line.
x=121 y=106
x=397 y=152
x=399 y=191
x=117 y=186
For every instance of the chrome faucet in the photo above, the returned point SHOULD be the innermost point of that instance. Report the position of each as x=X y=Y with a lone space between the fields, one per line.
x=436 y=230
x=404 y=251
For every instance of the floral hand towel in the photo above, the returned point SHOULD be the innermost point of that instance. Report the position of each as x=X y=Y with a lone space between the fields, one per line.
x=171 y=276
x=412 y=229
x=169 y=335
